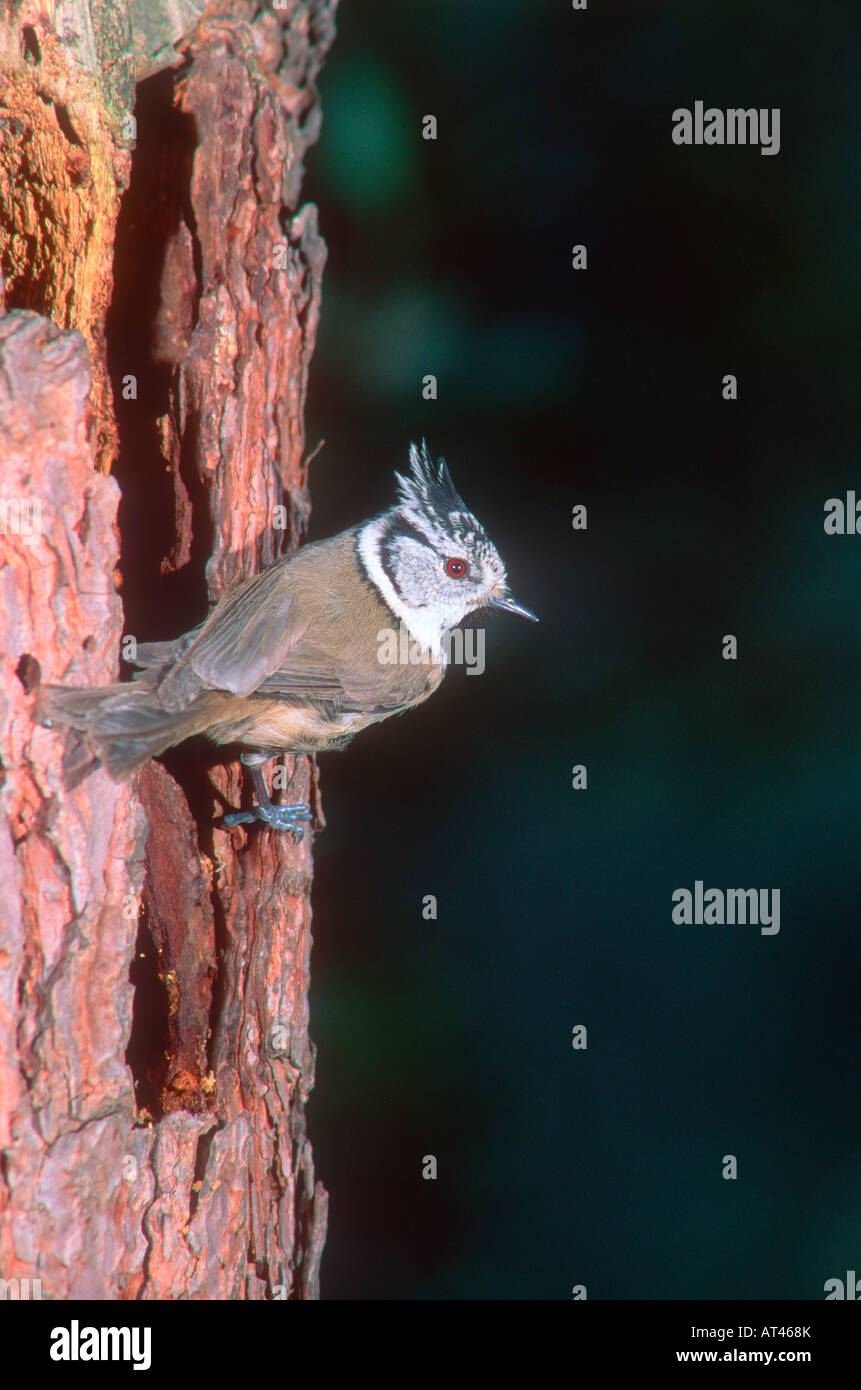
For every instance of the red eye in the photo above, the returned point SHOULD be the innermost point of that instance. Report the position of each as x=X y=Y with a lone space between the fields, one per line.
x=456 y=569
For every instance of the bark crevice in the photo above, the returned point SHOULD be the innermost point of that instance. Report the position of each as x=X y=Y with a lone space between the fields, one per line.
x=154 y=1050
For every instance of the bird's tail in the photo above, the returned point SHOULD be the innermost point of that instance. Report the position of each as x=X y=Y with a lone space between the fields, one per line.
x=124 y=725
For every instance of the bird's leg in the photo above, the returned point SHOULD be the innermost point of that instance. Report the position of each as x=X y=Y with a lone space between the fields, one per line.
x=278 y=817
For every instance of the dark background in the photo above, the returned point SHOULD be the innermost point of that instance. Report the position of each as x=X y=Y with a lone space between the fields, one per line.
x=601 y=387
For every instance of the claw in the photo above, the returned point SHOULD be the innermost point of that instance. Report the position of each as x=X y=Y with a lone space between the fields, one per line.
x=276 y=817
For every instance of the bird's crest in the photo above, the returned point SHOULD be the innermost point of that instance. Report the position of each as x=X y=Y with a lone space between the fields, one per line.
x=429 y=485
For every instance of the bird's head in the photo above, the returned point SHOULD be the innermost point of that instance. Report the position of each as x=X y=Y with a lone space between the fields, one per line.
x=430 y=557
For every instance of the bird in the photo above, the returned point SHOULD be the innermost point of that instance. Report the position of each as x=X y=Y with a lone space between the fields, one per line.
x=291 y=660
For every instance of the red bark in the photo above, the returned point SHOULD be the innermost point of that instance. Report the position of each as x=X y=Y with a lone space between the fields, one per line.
x=153 y=967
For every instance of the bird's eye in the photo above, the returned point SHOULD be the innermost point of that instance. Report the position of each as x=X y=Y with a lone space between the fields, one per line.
x=456 y=569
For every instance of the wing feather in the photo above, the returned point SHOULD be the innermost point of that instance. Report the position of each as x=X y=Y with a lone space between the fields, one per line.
x=245 y=638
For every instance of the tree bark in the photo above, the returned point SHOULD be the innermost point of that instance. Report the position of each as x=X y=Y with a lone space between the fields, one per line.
x=154 y=1050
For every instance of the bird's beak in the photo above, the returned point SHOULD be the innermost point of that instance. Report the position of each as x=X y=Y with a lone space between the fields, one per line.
x=507 y=602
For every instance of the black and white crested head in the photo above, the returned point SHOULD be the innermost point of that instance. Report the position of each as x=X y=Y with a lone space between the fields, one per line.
x=429 y=487
x=430 y=558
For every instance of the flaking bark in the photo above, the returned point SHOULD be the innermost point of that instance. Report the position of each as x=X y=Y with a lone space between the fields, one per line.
x=154 y=1048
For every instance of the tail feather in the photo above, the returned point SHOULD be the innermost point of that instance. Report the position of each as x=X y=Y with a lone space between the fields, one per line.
x=124 y=725
x=160 y=655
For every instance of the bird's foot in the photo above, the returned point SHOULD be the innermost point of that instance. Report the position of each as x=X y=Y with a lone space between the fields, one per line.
x=276 y=817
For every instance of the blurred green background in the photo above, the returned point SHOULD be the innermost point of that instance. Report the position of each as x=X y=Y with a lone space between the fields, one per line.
x=601 y=387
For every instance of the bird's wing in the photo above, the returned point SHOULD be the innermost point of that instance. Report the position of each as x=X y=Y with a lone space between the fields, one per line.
x=313 y=674
x=245 y=638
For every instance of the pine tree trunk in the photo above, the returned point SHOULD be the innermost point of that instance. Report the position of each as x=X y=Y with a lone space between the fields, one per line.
x=154 y=349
